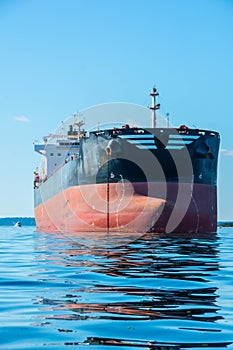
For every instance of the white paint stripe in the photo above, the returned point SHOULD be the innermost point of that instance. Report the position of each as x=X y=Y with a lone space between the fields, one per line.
x=174 y=147
x=141 y=142
x=146 y=147
x=182 y=142
x=193 y=137
x=137 y=136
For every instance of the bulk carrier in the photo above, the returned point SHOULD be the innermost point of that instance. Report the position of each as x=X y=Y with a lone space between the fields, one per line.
x=128 y=179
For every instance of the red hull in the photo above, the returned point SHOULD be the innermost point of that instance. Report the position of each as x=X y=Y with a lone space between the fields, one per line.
x=84 y=209
x=187 y=208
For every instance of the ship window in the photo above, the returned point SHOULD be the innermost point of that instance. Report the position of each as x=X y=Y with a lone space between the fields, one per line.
x=51 y=154
x=59 y=154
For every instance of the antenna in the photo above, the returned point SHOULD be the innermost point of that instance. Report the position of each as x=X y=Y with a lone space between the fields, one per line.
x=167 y=118
x=154 y=106
x=79 y=123
x=62 y=132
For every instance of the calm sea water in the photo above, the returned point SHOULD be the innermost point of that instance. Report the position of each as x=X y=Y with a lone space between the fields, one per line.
x=151 y=293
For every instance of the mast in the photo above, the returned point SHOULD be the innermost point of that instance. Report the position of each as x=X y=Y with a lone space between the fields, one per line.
x=79 y=123
x=168 y=121
x=154 y=106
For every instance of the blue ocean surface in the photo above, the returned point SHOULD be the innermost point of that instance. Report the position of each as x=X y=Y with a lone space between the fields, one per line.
x=154 y=292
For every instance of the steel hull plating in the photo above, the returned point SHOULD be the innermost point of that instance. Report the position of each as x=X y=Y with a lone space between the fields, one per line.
x=79 y=209
x=136 y=181
x=84 y=208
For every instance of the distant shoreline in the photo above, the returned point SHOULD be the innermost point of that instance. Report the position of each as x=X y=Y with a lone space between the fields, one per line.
x=225 y=224
x=30 y=221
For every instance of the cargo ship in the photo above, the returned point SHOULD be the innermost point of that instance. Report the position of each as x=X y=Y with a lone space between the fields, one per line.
x=128 y=179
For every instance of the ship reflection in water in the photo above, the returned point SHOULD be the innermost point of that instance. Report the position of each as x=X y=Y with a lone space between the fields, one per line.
x=153 y=293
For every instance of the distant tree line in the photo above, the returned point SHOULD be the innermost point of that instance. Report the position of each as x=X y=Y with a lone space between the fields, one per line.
x=225 y=224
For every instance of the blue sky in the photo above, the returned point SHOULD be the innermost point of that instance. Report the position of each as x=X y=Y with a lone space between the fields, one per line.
x=60 y=56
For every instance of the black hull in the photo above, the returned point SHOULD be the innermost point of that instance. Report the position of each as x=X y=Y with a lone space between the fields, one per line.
x=176 y=166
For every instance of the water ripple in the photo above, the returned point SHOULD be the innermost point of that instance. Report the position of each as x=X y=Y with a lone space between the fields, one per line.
x=152 y=293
